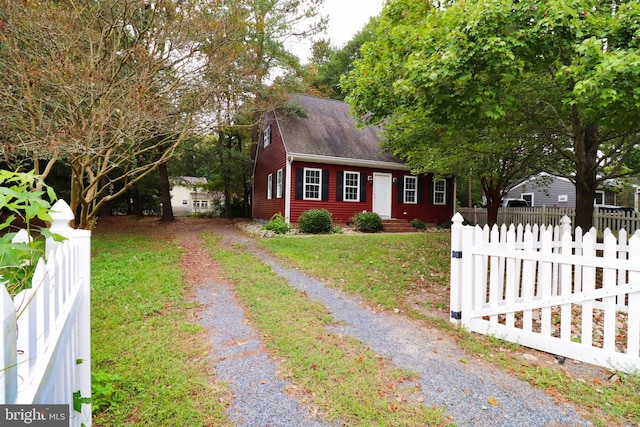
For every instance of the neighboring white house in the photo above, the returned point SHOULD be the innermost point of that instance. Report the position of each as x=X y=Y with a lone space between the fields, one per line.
x=554 y=191
x=188 y=196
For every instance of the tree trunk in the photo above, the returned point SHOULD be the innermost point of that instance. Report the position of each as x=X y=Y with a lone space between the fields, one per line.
x=105 y=207
x=586 y=152
x=494 y=196
x=165 y=193
x=137 y=203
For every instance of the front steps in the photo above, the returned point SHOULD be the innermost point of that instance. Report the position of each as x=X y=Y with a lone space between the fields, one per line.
x=397 y=226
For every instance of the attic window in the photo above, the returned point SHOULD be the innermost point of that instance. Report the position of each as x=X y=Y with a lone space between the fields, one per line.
x=266 y=138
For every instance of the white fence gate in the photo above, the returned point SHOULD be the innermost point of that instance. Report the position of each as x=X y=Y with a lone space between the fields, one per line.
x=46 y=335
x=539 y=287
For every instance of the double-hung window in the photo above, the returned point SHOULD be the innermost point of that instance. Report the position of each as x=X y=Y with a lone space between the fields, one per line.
x=440 y=192
x=270 y=186
x=351 y=186
x=266 y=137
x=312 y=184
x=410 y=189
x=279 y=183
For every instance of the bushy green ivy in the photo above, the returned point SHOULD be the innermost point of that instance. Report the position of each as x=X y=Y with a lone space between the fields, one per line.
x=367 y=222
x=418 y=224
x=315 y=221
x=22 y=197
x=277 y=224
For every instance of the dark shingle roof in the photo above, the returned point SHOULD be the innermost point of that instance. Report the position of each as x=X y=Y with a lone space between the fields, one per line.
x=329 y=130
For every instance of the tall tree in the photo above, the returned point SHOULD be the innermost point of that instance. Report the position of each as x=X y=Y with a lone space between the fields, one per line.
x=562 y=72
x=328 y=63
x=105 y=86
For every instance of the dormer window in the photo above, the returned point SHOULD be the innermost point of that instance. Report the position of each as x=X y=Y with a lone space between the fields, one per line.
x=266 y=137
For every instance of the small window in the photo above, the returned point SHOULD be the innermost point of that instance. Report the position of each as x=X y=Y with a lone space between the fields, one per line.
x=351 y=186
x=270 y=186
x=410 y=189
x=563 y=198
x=529 y=198
x=599 y=199
x=185 y=202
x=266 y=138
x=279 y=183
x=312 y=184
x=440 y=192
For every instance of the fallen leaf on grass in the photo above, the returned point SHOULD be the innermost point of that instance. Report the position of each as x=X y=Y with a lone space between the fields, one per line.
x=492 y=401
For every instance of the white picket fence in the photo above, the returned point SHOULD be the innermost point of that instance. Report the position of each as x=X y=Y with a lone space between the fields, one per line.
x=541 y=288
x=46 y=357
x=602 y=219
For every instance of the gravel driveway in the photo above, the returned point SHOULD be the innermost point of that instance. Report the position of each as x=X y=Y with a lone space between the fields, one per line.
x=463 y=388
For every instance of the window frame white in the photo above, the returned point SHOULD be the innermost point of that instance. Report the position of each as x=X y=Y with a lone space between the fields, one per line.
x=439 y=193
x=306 y=185
x=410 y=191
x=270 y=186
x=279 y=184
x=266 y=137
x=529 y=197
x=346 y=186
x=599 y=193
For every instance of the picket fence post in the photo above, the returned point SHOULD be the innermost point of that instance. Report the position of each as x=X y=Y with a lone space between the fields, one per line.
x=455 y=296
x=61 y=216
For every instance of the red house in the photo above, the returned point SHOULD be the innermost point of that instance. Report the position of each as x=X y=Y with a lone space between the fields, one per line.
x=311 y=155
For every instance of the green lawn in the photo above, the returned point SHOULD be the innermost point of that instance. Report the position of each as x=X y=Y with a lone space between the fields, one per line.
x=149 y=365
x=385 y=268
x=149 y=353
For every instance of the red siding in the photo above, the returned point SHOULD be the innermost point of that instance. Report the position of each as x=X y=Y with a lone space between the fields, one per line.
x=343 y=211
x=268 y=161
x=272 y=158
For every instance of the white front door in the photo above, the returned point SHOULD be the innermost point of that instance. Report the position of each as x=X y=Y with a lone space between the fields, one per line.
x=382 y=194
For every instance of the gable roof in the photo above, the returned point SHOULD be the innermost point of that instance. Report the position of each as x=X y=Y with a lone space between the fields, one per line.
x=329 y=132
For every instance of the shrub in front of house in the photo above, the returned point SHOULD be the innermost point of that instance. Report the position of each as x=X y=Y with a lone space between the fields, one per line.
x=367 y=222
x=315 y=221
x=418 y=224
x=277 y=224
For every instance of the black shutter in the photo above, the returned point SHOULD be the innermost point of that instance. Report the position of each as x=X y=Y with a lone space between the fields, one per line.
x=401 y=189
x=420 y=188
x=339 y=185
x=299 y=183
x=325 y=185
x=429 y=190
x=363 y=187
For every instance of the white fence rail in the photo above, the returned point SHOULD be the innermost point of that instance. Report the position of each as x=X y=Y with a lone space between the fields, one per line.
x=602 y=219
x=539 y=287
x=46 y=356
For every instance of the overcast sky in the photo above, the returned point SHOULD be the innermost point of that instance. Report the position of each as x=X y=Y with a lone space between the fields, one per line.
x=346 y=17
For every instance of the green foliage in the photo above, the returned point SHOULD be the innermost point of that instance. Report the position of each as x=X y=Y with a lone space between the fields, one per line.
x=368 y=222
x=315 y=221
x=107 y=390
x=277 y=224
x=24 y=202
x=491 y=86
x=418 y=224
